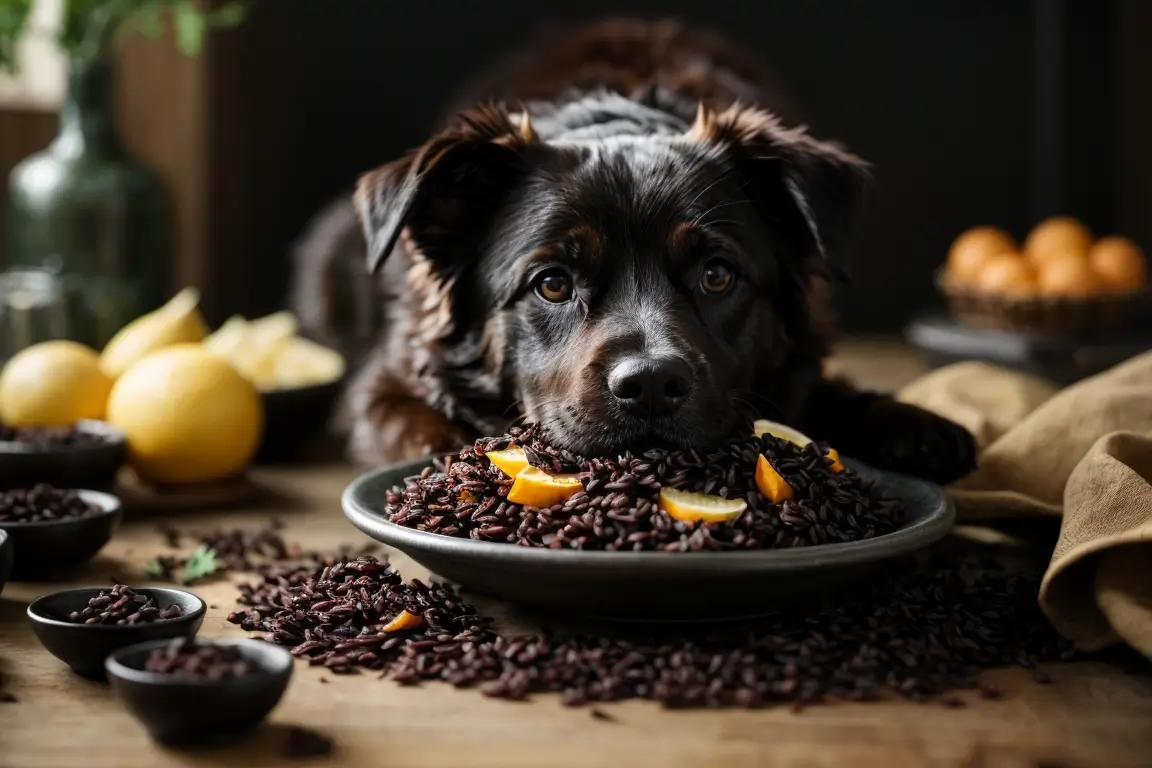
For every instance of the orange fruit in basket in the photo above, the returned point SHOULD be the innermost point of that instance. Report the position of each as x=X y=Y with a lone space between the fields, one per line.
x=973 y=249
x=534 y=487
x=1056 y=236
x=1067 y=274
x=1119 y=263
x=700 y=507
x=1007 y=275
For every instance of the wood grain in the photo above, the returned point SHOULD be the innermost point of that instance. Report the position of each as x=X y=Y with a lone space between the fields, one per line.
x=1095 y=714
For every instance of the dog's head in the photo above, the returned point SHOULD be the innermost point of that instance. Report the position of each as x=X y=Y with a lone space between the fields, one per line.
x=625 y=288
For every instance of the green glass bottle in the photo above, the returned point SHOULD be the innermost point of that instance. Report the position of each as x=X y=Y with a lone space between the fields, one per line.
x=87 y=211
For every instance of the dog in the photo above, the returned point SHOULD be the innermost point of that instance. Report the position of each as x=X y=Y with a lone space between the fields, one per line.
x=620 y=234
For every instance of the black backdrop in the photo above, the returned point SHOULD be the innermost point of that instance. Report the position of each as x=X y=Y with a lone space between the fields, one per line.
x=969 y=109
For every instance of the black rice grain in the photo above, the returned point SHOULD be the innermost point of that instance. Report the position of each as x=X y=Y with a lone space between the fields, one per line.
x=466 y=496
x=43 y=503
x=913 y=633
x=43 y=438
x=188 y=659
x=123 y=605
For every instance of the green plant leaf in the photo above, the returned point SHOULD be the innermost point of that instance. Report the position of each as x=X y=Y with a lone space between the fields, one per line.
x=190 y=25
x=150 y=22
x=13 y=20
x=154 y=569
x=200 y=564
x=230 y=15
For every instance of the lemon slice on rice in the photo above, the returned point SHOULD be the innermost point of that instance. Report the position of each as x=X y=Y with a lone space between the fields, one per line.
x=700 y=507
x=763 y=427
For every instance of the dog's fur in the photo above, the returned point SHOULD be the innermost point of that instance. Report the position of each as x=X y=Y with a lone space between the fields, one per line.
x=626 y=159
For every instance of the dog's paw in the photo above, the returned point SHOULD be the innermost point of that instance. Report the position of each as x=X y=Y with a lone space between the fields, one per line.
x=914 y=441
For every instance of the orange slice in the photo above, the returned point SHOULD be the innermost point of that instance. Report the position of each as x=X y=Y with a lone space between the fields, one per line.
x=534 y=487
x=774 y=487
x=700 y=507
x=763 y=427
x=403 y=620
x=834 y=455
x=510 y=461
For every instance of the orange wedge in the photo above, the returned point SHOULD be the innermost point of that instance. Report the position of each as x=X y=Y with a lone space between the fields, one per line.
x=510 y=461
x=403 y=620
x=534 y=487
x=834 y=455
x=774 y=487
x=763 y=427
x=700 y=507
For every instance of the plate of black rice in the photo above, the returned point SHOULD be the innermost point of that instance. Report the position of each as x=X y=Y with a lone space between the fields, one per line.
x=611 y=551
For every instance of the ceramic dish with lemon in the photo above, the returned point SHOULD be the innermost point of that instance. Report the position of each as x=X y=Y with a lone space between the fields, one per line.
x=769 y=520
x=189 y=408
x=1062 y=278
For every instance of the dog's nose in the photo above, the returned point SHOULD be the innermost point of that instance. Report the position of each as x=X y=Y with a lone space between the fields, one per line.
x=656 y=386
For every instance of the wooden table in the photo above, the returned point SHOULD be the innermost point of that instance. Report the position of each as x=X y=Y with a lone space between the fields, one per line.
x=1095 y=714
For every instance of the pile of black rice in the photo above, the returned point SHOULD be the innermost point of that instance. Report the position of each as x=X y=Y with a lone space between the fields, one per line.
x=465 y=496
x=914 y=632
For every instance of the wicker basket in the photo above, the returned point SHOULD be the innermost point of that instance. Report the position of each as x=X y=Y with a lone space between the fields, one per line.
x=1105 y=313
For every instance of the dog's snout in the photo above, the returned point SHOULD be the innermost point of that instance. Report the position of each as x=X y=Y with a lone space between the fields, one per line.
x=656 y=386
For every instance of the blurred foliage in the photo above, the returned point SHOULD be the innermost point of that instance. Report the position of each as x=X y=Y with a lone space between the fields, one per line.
x=89 y=28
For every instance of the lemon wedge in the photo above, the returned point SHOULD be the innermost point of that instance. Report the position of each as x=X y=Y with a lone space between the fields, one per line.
x=177 y=322
x=691 y=507
x=534 y=487
x=403 y=620
x=510 y=461
x=763 y=427
x=771 y=483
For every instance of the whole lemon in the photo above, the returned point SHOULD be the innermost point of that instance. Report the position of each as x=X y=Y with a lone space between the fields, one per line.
x=53 y=383
x=188 y=415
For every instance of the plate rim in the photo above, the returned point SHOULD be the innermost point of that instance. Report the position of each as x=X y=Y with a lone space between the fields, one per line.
x=903 y=541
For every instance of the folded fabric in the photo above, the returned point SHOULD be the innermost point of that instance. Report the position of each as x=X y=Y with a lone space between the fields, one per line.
x=1083 y=453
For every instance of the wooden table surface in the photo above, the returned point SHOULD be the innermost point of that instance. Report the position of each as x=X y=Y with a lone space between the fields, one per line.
x=1095 y=714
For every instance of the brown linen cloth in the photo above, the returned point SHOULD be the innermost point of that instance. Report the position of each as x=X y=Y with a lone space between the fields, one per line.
x=1085 y=453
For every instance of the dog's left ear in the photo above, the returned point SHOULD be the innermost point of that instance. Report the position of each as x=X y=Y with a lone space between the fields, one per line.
x=824 y=182
x=443 y=190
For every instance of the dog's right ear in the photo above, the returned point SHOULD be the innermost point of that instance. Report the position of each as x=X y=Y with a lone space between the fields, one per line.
x=443 y=190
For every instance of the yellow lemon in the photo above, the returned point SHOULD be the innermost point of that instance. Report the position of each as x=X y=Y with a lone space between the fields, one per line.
x=176 y=322
x=763 y=427
x=53 y=384
x=533 y=487
x=189 y=416
x=304 y=363
x=700 y=507
x=511 y=461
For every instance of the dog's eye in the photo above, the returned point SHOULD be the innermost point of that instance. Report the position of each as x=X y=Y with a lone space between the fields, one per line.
x=717 y=277
x=554 y=285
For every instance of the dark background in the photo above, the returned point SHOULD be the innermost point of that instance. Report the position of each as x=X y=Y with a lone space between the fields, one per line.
x=973 y=112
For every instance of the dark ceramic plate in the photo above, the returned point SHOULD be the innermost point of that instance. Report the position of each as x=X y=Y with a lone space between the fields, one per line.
x=50 y=549
x=84 y=647
x=200 y=712
x=652 y=586
x=87 y=466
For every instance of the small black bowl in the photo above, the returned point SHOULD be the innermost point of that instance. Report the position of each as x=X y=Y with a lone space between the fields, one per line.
x=294 y=417
x=84 y=647
x=182 y=712
x=5 y=558
x=93 y=465
x=49 y=549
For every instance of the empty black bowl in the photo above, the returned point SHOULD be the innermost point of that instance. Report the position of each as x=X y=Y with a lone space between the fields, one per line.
x=91 y=465
x=295 y=417
x=182 y=712
x=84 y=647
x=5 y=558
x=49 y=549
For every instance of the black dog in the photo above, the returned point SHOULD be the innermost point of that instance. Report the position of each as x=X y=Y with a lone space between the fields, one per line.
x=616 y=248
